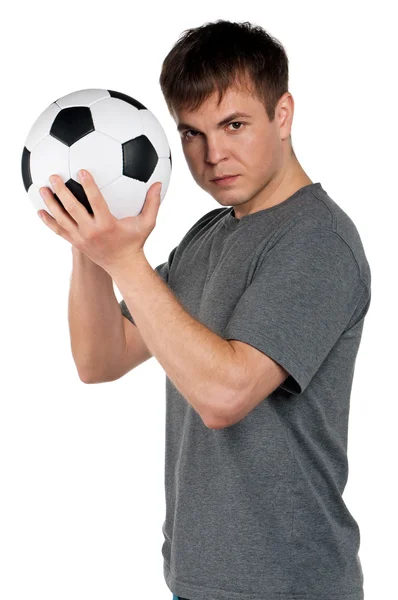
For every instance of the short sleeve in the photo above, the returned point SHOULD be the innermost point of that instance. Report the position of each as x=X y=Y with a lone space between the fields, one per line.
x=163 y=270
x=300 y=300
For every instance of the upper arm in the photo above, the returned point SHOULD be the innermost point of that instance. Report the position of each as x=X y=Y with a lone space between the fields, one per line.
x=260 y=376
x=305 y=293
x=136 y=351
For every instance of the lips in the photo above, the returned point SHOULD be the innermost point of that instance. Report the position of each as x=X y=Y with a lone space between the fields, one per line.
x=226 y=181
x=223 y=177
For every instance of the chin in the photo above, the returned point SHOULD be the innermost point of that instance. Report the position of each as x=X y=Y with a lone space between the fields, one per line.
x=225 y=201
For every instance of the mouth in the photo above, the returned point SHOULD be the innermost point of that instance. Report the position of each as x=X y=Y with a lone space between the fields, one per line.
x=225 y=180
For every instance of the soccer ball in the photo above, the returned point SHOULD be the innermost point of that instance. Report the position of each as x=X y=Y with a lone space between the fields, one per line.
x=111 y=135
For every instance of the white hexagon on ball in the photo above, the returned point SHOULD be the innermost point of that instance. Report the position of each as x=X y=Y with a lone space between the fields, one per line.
x=100 y=154
x=128 y=124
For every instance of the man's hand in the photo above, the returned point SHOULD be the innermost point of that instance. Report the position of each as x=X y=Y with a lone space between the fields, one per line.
x=106 y=240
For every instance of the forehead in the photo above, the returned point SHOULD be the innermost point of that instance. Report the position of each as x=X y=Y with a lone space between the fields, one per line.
x=238 y=98
x=235 y=103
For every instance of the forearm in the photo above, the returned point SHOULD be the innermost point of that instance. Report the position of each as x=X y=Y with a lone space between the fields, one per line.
x=95 y=321
x=200 y=364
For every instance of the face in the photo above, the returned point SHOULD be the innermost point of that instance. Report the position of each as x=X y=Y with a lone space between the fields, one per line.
x=249 y=146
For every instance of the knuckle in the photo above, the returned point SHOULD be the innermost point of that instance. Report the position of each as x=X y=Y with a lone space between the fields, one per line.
x=70 y=202
x=106 y=225
x=90 y=235
x=93 y=234
x=93 y=195
x=96 y=194
x=70 y=205
x=110 y=224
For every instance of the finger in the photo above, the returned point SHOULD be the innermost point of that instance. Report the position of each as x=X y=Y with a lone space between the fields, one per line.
x=93 y=193
x=60 y=214
x=71 y=204
x=152 y=202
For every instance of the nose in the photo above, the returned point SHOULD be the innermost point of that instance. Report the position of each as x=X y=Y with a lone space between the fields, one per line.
x=215 y=151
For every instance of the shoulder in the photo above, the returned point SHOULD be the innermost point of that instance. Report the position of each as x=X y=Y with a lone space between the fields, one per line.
x=343 y=226
x=324 y=221
x=205 y=222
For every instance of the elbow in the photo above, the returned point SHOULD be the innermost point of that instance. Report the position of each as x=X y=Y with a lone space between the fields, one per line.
x=224 y=410
x=89 y=377
x=86 y=379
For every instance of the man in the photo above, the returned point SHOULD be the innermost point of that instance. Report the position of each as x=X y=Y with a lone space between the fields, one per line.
x=254 y=504
x=257 y=318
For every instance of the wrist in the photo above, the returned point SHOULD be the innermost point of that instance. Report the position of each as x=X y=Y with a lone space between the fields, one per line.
x=80 y=258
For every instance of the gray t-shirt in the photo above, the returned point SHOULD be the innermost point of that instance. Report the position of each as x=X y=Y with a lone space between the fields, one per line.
x=255 y=511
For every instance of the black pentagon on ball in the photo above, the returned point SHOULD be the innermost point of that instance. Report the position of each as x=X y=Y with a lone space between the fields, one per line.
x=71 y=124
x=139 y=158
x=25 y=167
x=79 y=193
x=127 y=99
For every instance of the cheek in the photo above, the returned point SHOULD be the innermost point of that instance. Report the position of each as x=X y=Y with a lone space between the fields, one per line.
x=195 y=162
x=256 y=148
x=257 y=156
x=195 y=169
x=189 y=159
x=191 y=156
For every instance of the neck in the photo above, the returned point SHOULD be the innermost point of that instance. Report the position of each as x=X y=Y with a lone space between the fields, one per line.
x=290 y=179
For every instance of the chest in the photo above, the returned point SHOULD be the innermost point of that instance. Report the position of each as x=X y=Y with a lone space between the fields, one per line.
x=209 y=278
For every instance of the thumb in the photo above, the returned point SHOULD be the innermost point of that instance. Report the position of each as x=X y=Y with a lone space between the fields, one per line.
x=152 y=201
x=158 y=188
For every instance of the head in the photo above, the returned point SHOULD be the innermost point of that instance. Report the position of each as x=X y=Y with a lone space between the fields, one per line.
x=212 y=72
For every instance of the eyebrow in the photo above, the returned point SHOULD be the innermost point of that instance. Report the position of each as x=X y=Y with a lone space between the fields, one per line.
x=231 y=117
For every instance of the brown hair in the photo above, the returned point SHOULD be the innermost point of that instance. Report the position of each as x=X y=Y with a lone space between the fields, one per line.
x=218 y=55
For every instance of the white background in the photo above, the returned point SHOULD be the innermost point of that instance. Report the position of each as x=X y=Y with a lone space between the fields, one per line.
x=82 y=466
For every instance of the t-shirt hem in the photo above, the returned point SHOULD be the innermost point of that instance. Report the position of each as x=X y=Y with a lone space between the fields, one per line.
x=300 y=376
x=192 y=592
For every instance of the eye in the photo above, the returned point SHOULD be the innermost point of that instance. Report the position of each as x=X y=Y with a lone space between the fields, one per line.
x=235 y=123
x=188 y=131
x=185 y=134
